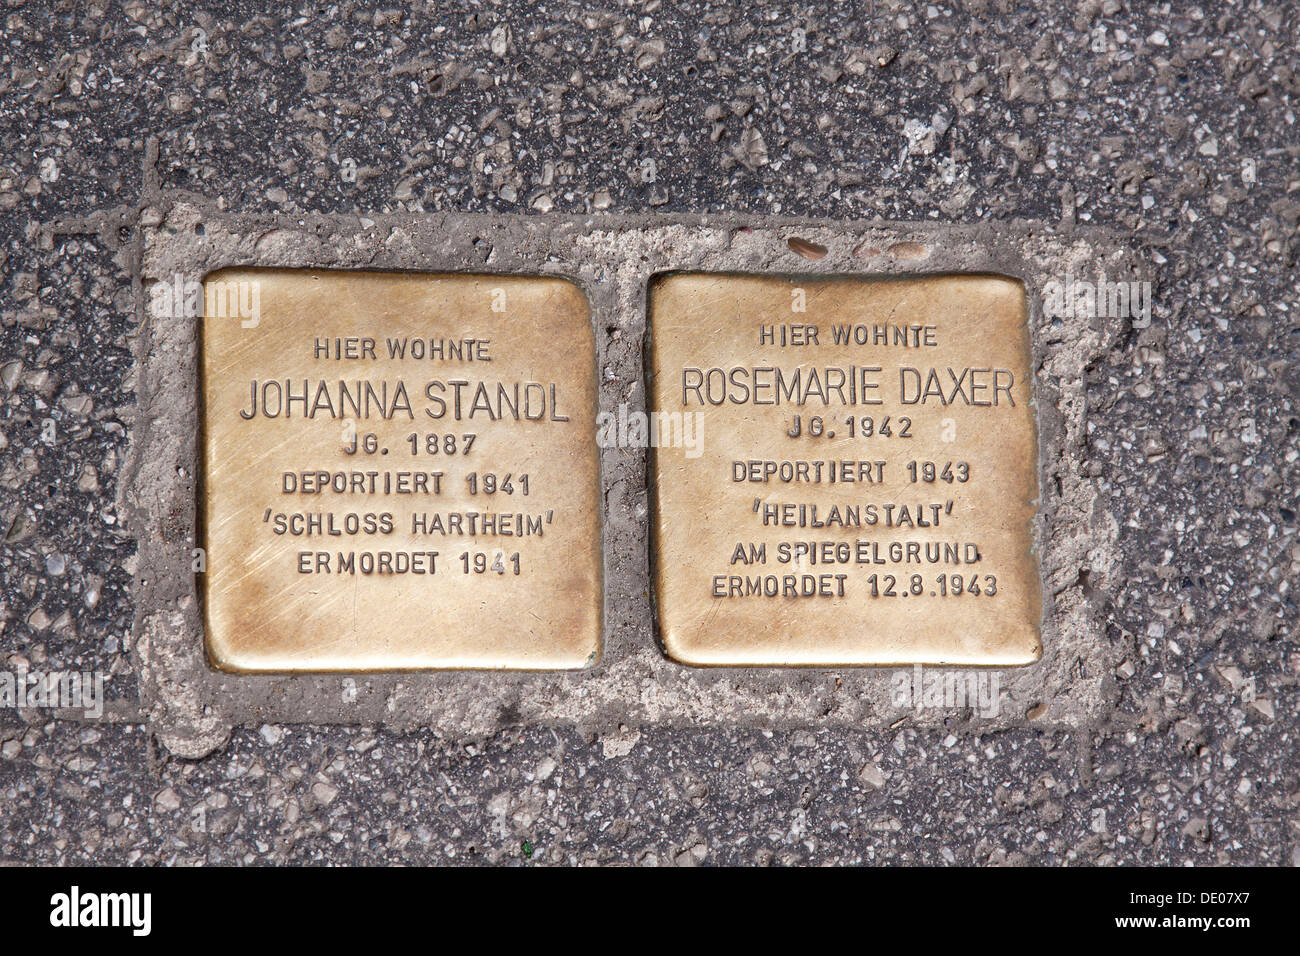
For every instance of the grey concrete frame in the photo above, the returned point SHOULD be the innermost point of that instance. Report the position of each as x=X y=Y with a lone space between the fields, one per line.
x=192 y=708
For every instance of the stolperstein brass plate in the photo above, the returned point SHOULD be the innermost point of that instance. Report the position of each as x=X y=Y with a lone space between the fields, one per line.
x=844 y=470
x=398 y=472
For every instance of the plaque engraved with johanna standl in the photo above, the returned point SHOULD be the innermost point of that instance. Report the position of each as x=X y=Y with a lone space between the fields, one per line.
x=398 y=472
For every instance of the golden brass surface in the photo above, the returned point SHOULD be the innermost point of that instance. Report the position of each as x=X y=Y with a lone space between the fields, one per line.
x=853 y=479
x=370 y=509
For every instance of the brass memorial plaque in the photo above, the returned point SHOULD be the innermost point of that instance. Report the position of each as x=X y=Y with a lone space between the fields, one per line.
x=398 y=472
x=845 y=470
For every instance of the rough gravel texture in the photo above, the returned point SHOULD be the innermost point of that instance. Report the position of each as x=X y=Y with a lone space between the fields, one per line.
x=1166 y=119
